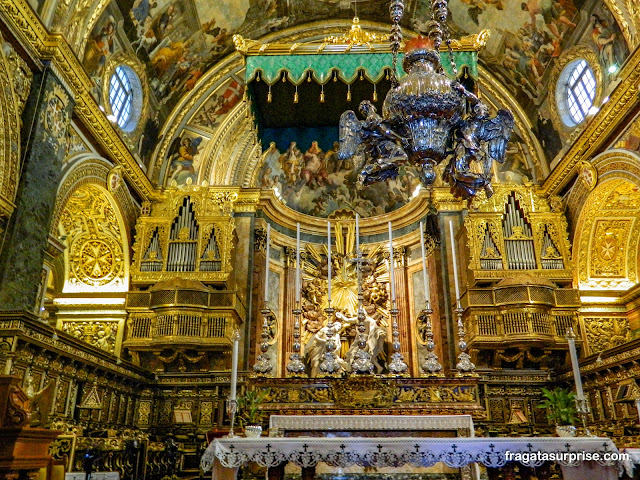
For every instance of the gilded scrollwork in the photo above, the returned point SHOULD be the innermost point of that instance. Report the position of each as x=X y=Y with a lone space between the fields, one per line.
x=9 y=135
x=21 y=75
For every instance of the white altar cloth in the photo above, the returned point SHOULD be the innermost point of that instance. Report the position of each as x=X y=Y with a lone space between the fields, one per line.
x=378 y=452
x=343 y=423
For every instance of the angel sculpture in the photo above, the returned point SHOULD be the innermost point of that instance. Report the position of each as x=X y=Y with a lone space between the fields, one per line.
x=479 y=140
x=316 y=348
x=375 y=335
x=372 y=137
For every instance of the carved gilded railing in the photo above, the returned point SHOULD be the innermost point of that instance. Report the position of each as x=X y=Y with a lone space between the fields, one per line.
x=182 y=317
x=511 y=325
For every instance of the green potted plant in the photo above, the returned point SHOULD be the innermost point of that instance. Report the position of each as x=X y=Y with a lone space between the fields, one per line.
x=561 y=410
x=250 y=415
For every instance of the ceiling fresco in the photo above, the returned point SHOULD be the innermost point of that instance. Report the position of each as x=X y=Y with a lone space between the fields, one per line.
x=177 y=41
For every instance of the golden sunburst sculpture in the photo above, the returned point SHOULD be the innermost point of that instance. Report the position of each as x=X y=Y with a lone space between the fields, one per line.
x=344 y=280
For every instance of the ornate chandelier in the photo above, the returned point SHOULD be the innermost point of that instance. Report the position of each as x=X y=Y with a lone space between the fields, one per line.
x=427 y=118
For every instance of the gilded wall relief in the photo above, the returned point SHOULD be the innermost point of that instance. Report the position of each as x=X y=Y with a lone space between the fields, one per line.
x=99 y=333
x=95 y=258
x=608 y=249
x=606 y=332
x=9 y=136
x=607 y=235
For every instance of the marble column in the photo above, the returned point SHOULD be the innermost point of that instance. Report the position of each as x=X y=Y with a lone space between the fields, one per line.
x=45 y=121
x=402 y=304
x=289 y=304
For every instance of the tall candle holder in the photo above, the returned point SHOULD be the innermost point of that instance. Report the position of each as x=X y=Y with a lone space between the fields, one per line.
x=232 y=408
x=263 y=365
x=582 y=405
x=295 y=367
x=464 y=366
x=362 y=364
x=397 y=366
x=431 y=366
x=330 y=365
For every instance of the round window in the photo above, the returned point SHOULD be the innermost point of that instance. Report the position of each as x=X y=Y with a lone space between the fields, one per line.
x=125 y=98
x=575 y=92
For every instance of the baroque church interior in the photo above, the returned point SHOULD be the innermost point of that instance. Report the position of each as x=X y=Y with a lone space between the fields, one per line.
x=187 y=247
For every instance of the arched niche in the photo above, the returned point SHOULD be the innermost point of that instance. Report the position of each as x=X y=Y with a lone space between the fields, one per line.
x=104 y=211
x=96 y=258
x=607 y=237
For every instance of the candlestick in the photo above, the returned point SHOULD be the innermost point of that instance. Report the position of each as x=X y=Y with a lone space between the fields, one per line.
x=424 y=267
x=455 y=262
x=263 y=365
x=582 y=405
x=235 y=338
x=295 y=367
x=329 y=264
x=357 y=233
x=298 y=264
x=571 y=338
x=393 y=285
x=266 y=270
x=361 y=363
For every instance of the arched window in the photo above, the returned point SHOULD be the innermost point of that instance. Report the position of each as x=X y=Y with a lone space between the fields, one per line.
x=125 y=98
x=577 y=89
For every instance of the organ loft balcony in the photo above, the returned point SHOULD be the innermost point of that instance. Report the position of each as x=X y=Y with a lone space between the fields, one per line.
x=520 y=322
x=177 y=323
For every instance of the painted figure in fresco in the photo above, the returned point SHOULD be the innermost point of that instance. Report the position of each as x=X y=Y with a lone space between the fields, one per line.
x=604 y=38
x=314 y=172
x=291 y=162
x=141 y=10
x=380 y=145
x=544 y=15
x=168 y=55
x=182 y=160
x=164 y=24
x=99 y=48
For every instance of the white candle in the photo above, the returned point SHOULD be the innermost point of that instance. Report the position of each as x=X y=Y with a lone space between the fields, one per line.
x=393 y=285
x=638 y=408
x=329 y=263
x=571 y=337
x=298 y=265
x=266 y=270
x=455 y=262
x=234 y=365
x=424 y=265
x=357 y=233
